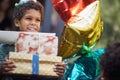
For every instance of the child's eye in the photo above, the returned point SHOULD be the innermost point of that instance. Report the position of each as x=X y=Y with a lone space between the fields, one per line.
x=38 y=20
x=28 y=18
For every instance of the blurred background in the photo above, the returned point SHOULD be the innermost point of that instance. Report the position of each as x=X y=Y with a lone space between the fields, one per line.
x=110 y=11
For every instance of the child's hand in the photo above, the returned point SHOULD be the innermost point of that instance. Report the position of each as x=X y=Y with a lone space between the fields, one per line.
x=60 y=69
x=7 y=66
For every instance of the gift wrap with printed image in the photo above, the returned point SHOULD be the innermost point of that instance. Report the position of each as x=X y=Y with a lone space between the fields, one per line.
x=31 y=42
x=44 y=44
x=34 y=64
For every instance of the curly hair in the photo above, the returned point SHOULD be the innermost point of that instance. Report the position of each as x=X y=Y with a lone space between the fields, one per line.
x=21 y=9
x=110 y=62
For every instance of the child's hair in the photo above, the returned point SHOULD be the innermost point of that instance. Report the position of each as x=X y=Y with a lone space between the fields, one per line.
x=110 y=62
x=21 y=9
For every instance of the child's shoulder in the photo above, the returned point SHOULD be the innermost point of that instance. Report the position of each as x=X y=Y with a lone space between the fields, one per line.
x=5 y=45
x=5 y=48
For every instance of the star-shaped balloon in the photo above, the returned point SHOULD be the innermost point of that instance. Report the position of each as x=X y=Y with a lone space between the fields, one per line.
x=83 y=24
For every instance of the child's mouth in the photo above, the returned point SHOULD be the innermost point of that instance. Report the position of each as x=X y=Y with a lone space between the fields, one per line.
x=31 y=29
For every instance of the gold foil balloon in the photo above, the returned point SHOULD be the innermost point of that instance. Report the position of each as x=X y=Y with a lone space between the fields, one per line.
x=83 y=24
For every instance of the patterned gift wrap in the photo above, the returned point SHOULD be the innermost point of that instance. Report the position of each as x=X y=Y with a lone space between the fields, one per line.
x=45 y=44
x=34 y=64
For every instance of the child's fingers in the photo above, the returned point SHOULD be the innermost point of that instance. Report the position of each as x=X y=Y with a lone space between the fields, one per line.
x=59 y=74
x=8 y=63
x=59 y=70
x=60 y=65
x=7 y=66
x=8 y=70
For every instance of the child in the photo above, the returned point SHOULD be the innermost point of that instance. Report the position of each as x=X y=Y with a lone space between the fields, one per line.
x=110 y=62
x=27 y=16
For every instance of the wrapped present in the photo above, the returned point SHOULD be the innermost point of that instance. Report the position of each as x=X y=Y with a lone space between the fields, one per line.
x=45 y=44
x=31 y=42
x=8 y=37
x=34 y=64
x=15 y=34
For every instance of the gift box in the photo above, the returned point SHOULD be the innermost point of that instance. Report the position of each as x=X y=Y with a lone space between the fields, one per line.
x=31 y=42
x=44 y=44
x=8 y=37
x=34 y=64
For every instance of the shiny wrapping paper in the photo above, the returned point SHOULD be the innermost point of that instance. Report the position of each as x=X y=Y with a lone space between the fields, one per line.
x=83 y=24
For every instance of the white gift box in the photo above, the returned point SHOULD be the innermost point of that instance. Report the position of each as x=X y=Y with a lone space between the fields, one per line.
x=31 y=42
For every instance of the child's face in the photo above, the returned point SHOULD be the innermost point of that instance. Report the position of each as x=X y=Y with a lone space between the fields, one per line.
x=30 y=22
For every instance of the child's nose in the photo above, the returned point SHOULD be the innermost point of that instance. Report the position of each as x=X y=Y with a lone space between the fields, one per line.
x=33 y=22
